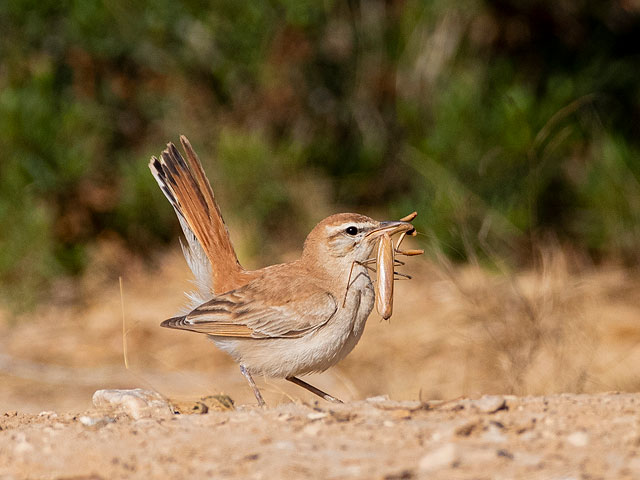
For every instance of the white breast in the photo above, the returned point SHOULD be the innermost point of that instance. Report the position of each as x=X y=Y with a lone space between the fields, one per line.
x=285 y=357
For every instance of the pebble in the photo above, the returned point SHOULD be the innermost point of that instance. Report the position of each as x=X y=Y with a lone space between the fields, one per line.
x=378 y=399
x=578 y=439
x=48 y=414
x=494 y=435
x=91 y=421
x=22 y=446
x=528 y=459
x=137 y=403
x=317 y=415
x=444 y=456
x=489 y=403
x=312 y=429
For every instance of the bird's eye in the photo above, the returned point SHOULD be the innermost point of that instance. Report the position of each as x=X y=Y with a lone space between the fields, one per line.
x=352 y=230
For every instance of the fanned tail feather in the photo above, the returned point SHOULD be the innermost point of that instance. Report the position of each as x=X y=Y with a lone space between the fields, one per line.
x=209 y=251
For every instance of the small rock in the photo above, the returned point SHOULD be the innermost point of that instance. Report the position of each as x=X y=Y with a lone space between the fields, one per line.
x=284 y=417
x=91 y=421
x=578 y=439
x=87 y=421
x=401 y=414
x=444 y=456
x=22 y=446
x=378 y=399
x=48 y=414
x=284 y=445
x=494 y=435
x=468 y=428
x=317 y=415
x=505 y=453
x=312 y=429
x=489 y=404
x=137 y=403
x=387 y=404
x=402 y=475
x=528 y=459
x=219 y=403
x=339 y=416
x=202 y=406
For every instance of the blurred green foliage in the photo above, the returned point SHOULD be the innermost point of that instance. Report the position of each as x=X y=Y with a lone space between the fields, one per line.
x=501 y=122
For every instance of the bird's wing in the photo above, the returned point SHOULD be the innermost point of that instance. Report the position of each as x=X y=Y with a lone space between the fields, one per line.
x=246 y=313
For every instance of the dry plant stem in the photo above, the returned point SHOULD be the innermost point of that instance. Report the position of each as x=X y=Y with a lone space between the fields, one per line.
x=253 y=386
x=124 y=329
x=312 y=389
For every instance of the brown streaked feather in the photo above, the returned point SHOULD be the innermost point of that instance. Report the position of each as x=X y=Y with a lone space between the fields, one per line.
x=185 y=185
x=298 y=309
x=224 y=330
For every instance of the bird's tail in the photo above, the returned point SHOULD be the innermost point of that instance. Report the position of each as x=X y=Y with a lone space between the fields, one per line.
x=209 y=251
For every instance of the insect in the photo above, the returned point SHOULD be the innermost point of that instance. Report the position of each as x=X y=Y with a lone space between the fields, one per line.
x=385 y=271
x=384 y=277
x=385 y=267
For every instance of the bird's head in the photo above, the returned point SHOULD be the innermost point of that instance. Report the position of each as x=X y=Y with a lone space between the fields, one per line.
x=339 y=240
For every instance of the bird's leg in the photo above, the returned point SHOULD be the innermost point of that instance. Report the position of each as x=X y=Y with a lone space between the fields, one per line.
x=256 y=392
x=315 y=390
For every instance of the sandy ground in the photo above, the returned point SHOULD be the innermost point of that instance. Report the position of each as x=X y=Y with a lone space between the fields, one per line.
x=554 y=437
x=456 y=334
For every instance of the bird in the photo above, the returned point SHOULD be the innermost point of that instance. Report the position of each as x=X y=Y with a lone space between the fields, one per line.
x=285 y=320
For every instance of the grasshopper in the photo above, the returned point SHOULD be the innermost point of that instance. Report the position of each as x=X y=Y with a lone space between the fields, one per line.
x=385 y=268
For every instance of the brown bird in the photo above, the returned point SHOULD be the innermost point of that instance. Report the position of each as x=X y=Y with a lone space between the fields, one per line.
x=283 y=320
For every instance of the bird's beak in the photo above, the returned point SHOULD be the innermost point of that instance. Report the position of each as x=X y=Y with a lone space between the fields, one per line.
x=391 y=228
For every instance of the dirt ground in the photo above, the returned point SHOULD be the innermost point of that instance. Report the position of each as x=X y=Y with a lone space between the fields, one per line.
x=456 y=336
x=553 y=437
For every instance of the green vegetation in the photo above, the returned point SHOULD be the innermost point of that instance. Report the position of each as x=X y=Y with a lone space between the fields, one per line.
x=503 y=123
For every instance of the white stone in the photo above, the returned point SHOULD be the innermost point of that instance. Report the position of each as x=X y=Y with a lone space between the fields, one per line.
x=22 y=446
x=527 y=459
x=86 y=421
x=443 y=456
x=378 y=399
x=578 y=439
x=137 y=403
x=317 y=415
x=494 y=435
x=91 y=421
x=312 y=429
x=489 y=403
x=48 y=414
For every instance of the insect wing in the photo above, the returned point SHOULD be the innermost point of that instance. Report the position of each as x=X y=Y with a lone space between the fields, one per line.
x=384 y=283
